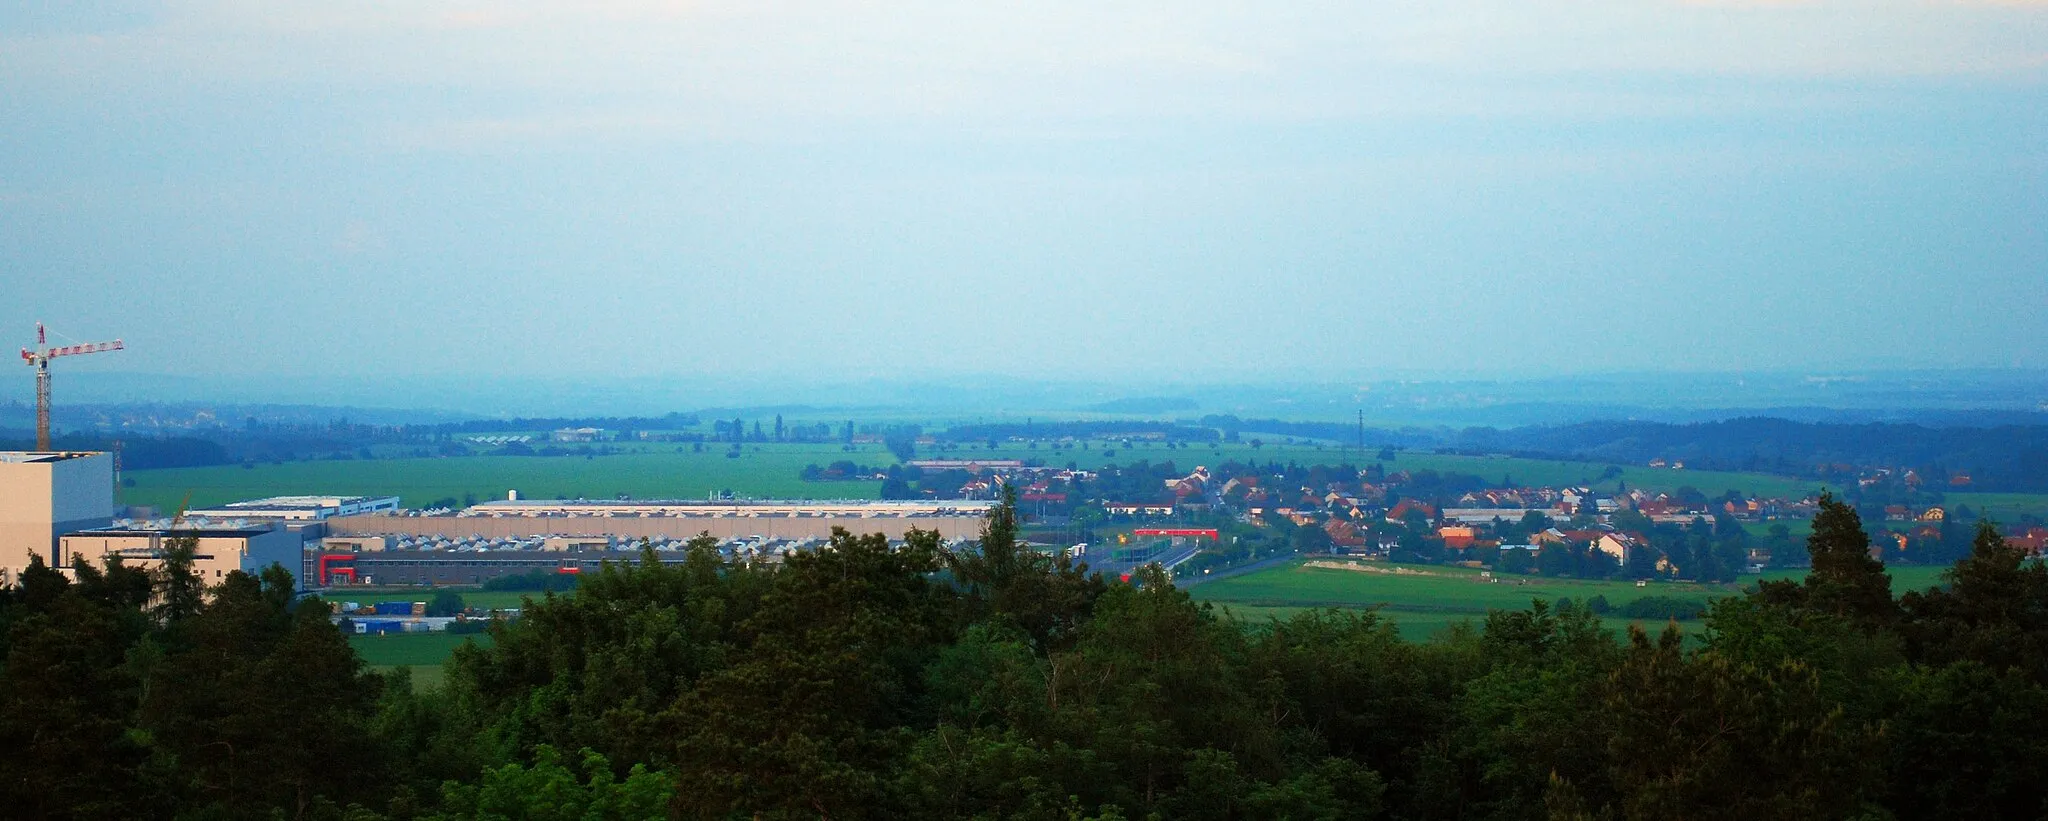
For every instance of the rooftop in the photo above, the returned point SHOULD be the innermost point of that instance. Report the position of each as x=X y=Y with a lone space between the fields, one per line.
x=197 y=532
x=306 y=502
x=687 y=508
x=24 y=457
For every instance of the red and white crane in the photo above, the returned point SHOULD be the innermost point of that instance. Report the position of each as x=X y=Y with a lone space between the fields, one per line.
x=40 y=359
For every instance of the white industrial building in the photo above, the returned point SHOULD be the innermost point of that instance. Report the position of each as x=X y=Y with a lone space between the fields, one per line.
x=299 y=508
x=857 y=509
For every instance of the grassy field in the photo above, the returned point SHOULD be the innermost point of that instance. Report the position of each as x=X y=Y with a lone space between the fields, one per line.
x=1430 y=588
x=2004 y=507
x=1431 y=598
x=425 y=653
x=767 y=470
x=1904 y=577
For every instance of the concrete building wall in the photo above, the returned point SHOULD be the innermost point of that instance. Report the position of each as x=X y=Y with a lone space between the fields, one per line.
x=217 y=553
x=402 y=568
x=45 y=495
x=26 y=520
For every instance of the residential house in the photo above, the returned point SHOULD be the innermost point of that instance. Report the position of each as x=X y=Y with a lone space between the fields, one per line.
x=1457 y=537
x=1399 y=513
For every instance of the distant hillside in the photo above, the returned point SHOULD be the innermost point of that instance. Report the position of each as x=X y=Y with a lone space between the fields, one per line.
x=2000 y=458
x=1144 y=405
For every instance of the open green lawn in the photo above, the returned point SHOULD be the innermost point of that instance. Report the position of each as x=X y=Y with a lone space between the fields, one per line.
x=2004 y=507
x=1425 y=604
x=424 y=653
x=1445 y=589
x=644 y=472
x=769 y=470
x=1798 y=529
x=1905 y=577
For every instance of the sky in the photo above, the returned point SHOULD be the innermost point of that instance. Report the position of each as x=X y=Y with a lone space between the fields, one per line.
x=841 y=191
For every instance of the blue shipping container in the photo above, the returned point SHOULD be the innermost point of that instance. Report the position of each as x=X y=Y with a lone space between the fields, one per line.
x=394 y=608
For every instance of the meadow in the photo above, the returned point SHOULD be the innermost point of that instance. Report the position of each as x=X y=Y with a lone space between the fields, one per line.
x=670 y=471
x=771 y=470
x=424 y=653
x=1426 y=599
x=2004 y=507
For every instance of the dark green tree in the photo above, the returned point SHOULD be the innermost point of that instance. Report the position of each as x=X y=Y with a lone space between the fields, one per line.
x=1845 y=581
x=1993 y=611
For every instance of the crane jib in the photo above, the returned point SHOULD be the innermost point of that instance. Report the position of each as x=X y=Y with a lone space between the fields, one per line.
x=72 y=350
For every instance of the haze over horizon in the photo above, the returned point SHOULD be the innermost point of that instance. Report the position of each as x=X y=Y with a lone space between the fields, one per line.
x=839 y=192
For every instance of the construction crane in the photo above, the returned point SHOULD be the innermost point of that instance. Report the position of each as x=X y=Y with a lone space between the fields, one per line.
x=40 y=360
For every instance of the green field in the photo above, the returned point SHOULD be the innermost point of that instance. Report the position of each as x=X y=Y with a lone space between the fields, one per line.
x=2004 y=507
x=766 y=470
x=1904 y=577
x=1444 y=589
x=1423 y=605
x=770 y=470
x=425 y=653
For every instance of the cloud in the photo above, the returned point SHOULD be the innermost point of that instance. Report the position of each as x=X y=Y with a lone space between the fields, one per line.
x=529 y=70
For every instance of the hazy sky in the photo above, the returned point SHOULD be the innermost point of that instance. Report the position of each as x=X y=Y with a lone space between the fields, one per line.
x=1089 y=189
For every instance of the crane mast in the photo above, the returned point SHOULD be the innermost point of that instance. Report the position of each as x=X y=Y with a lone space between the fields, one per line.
x=40 y=360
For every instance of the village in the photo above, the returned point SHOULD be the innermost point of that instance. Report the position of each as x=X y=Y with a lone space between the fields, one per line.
x=1582 y=531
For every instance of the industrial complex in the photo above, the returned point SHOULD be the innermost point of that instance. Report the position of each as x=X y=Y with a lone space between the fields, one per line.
x=60 y=506
x=514 y=537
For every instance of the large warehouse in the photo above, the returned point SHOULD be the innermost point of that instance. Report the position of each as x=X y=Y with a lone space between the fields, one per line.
x=497 y=539
x=677 y=519
x=299 y=508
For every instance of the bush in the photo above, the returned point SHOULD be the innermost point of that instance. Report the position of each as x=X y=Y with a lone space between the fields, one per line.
x=538 y=581
x=1663 y=608
x=446 y=603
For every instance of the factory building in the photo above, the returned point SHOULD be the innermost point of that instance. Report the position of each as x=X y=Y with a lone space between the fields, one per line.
x=635 y=520
x=220 y=550
x=43 y=496
x=862 y=509
x=439 y=567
